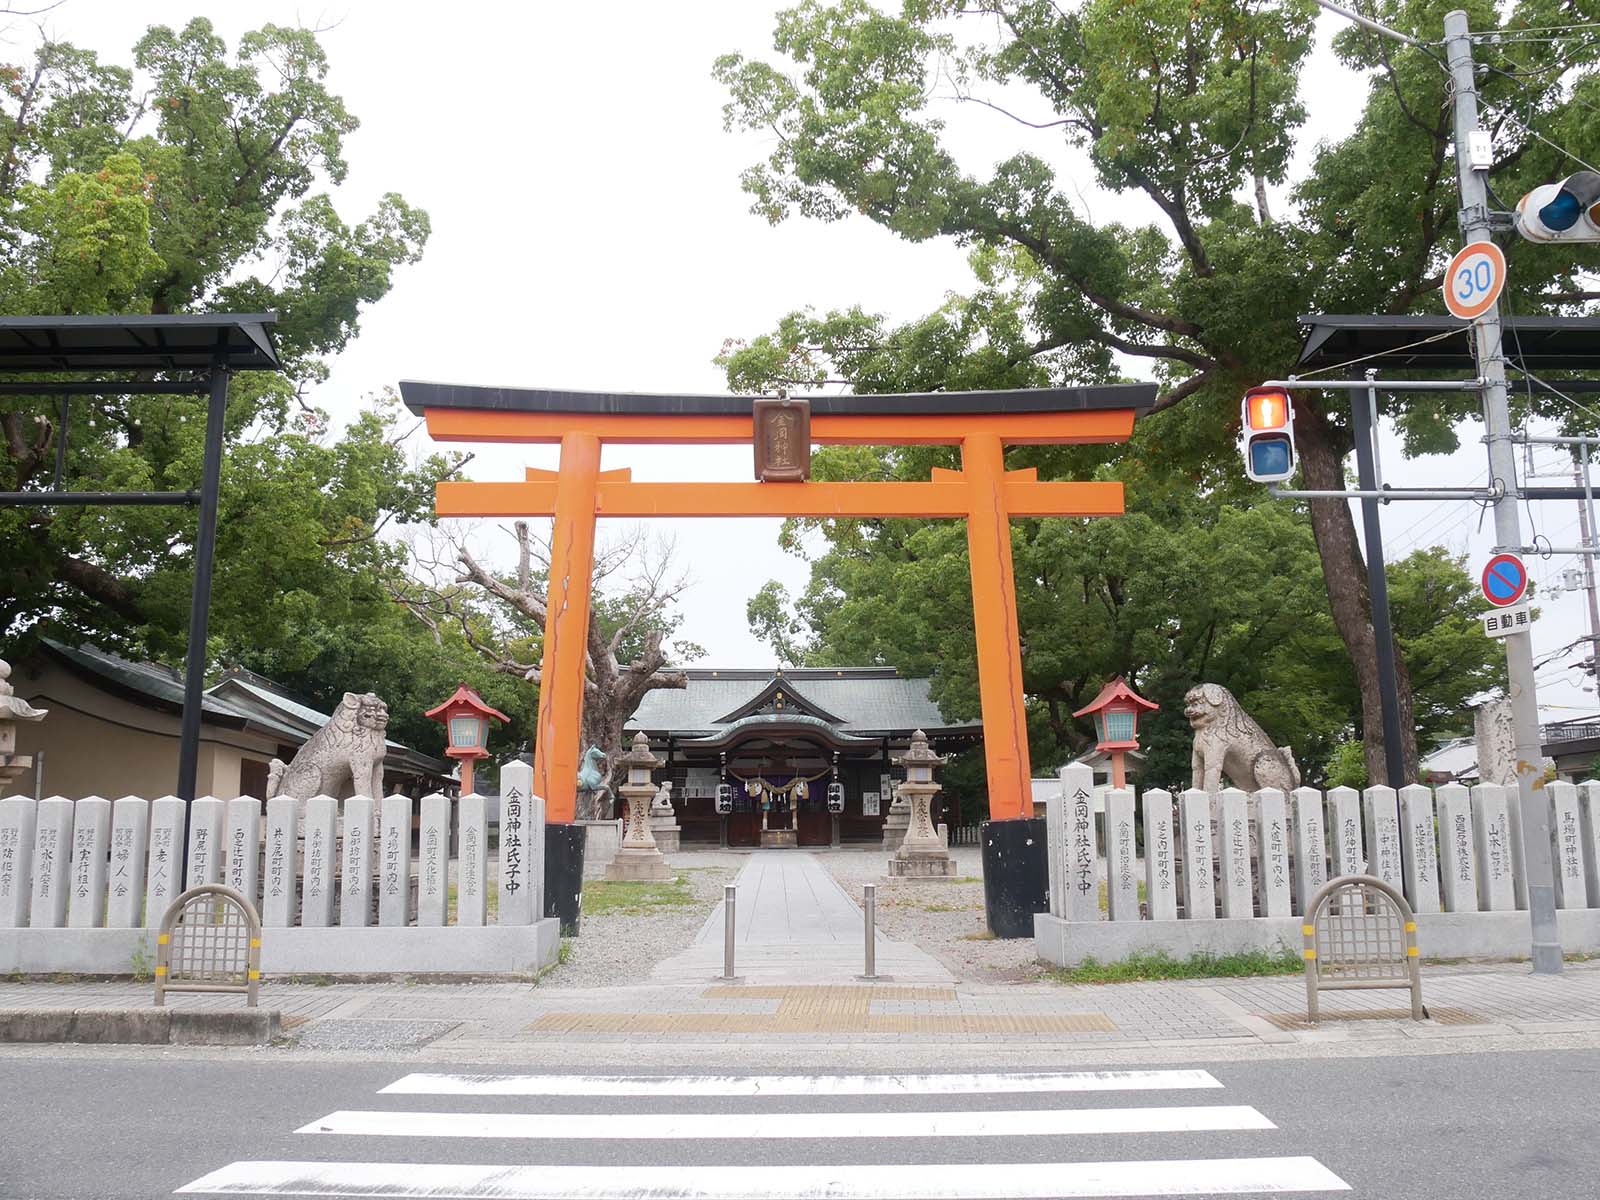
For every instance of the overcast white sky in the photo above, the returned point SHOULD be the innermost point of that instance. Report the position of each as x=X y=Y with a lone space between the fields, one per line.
x=589 y=232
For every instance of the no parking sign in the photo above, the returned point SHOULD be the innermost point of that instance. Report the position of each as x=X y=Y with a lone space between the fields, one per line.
x=1505 y=580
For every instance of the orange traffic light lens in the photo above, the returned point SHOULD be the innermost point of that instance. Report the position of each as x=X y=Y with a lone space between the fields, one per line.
x=1267 y=409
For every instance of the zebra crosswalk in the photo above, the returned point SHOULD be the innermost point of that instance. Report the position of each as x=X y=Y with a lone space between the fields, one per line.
x=634 y=1151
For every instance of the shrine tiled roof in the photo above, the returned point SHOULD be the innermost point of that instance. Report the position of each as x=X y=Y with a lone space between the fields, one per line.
x=866 y=700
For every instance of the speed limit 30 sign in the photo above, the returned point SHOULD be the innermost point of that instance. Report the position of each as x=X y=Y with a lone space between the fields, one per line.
x=1474 y=280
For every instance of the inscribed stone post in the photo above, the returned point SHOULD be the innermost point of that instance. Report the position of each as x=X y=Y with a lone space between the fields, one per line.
x=1122 y=852
x=536 y=853
x=278 y=888
x=205 y=841
x=1082 y=866
x=91 y=845
x=1344 y=831
x=394 y=871
x=1458 y=874
x=130 y=848
x=433 y=859
x=162 y=881
x=1272 y=816
x=1519 y=864
x=17 y=832
x=1055 y=846
x=1492 y=841
x=1588 y=831
x=472 y=868
x=1199 y=895
x=1233 y=852
x=516 y=896
x=1310 y=846
x=244 y=849
x=1160 y=861
x=355 y=895
x=1566 y=836
x=322 y=849
x=1419 y=851
x=52 y=854
x=1381 y=813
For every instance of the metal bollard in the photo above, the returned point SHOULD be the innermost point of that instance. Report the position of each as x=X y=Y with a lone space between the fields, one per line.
x=871 y=908
x=729 y=899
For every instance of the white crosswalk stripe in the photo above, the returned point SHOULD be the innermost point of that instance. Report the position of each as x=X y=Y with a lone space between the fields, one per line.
x=651 y=1174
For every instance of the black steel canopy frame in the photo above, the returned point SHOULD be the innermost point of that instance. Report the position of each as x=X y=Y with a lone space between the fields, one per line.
x=182 y=355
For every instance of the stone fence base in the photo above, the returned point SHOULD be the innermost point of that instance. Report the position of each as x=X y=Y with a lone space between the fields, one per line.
x=335 y=950
x=1439 y=935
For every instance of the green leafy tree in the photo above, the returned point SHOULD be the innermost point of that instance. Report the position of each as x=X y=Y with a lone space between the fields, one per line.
x=189 y=182
x=1194 y=107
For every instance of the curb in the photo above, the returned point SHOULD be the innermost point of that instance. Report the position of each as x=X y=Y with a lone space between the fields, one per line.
x=142 y=1026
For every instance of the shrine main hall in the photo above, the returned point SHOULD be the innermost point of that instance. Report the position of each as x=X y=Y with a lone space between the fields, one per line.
x=779 y=739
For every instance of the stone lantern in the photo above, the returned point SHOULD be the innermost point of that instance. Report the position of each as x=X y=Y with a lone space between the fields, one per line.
x=640 y=857
x=466 y=722
x=13 y=710
x=1116 y=723
x=921 y=855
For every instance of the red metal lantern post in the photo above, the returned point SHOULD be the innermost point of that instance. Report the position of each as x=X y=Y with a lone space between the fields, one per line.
x=1116 y=722
x=466 y=718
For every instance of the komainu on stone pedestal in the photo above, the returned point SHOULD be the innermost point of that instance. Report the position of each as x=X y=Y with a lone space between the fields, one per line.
x=1228 y=742
x=347 y=750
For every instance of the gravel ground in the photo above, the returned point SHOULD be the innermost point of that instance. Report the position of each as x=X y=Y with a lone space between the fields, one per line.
x=943 y=917
x=621 y=948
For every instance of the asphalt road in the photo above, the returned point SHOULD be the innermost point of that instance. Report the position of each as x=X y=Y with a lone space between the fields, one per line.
x=1507 y=1125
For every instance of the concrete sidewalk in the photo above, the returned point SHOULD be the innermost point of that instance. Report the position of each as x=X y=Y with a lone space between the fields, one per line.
x=890 y=1024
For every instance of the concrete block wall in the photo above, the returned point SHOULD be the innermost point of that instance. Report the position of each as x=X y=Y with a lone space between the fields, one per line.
x=84 y=884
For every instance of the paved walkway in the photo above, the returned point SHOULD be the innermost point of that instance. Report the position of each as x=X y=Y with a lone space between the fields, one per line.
x=793 y=923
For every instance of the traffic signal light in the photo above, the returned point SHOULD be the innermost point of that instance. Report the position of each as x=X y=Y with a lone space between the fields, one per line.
x=1568 y=211
x=1268 y=435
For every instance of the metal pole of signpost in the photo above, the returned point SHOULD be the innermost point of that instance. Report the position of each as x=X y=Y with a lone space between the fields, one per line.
x=871 y=909
x=1365 y=411
x=1488 y=346
x=200 y=596
x=729 y=899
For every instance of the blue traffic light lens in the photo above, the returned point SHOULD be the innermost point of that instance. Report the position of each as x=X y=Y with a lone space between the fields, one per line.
x=1271 y=456
x=1561 y=213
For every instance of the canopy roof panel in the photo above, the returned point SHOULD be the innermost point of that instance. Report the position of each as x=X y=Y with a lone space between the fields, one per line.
x=1409 y=343
x=127 y=343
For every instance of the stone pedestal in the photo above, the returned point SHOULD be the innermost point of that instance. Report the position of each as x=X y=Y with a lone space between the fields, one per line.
x=896 y=822
x=639 y=858
x=664 y=822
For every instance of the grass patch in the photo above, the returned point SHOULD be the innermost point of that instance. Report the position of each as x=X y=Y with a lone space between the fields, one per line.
x=967 y=879
x=936 y=906
x=603 y=896
x=1158 y=964
x=986 y=936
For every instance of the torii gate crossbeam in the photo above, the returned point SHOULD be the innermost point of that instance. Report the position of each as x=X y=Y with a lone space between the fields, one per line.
x=982 y=492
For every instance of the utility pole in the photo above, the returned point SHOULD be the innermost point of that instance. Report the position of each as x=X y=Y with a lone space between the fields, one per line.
x=1586 y=527
x=1531 y=802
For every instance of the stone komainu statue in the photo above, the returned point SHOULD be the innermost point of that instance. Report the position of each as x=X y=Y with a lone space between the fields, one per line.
x=1228 y=742
x=349 y=747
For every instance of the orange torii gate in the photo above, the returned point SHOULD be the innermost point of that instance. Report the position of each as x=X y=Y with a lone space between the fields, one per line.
x=982 y=491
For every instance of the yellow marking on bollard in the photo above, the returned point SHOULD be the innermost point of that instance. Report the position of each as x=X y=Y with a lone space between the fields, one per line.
x=161 y=970
x=1411 y=952
x=1411 y=926
x=163 y=939
x=1308 y=930
x=254 y=974
x=1310 y=954
x=255 y=943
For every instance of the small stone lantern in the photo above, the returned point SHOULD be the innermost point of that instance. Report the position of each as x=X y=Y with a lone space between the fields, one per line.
x=1116 y=722
x=640 y=858
x=921 y=855
x=466 y=718
x=13 y=710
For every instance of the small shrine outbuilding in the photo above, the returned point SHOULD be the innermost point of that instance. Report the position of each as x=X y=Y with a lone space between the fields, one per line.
x=779 y=738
